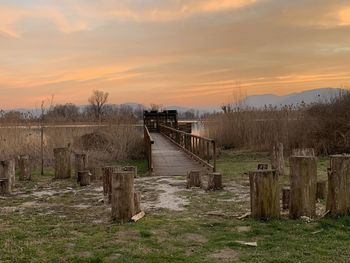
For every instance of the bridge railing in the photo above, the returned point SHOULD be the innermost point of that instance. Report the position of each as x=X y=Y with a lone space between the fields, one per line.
x=200 y=148
x=148 y=147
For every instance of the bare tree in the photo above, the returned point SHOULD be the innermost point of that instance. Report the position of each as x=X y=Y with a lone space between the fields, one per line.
x=98 y=102
x=66 y=112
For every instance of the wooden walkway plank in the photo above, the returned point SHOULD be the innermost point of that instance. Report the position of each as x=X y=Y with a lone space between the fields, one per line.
x=170 y=160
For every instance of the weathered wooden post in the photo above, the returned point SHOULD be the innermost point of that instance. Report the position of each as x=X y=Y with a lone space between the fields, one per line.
x=107 y=180
x=214 y=181
x=122 y=202
x=264 y=194
x=137 y=202
x=277 y=158
x=338 y=199
x=321 y=190
x=193 y=179
x=10 y=170
x=4 y=186
x=303 y=178
x=7 y=176
x=285 y=197
x=25 y=172
x=303 y=152
x=81 y=163
x=84 y=177
x=62 y=163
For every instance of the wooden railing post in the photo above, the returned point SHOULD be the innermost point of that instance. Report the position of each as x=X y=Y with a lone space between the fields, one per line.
x=148 y=147
x=214 y=155
x=208 y=151
x=150 y=160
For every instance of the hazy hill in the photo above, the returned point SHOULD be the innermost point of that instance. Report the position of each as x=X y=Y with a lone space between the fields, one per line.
x=309 y=96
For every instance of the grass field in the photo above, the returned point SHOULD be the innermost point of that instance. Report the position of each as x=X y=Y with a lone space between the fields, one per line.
x=57 y=221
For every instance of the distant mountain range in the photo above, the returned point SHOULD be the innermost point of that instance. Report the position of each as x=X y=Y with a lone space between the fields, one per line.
x=307 y=97
x=256 y=101
x=259 y=101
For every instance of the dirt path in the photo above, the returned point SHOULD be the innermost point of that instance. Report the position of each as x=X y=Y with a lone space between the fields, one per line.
x=162 y=193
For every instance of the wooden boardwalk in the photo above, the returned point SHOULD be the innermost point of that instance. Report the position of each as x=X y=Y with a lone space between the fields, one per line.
x=169 y=160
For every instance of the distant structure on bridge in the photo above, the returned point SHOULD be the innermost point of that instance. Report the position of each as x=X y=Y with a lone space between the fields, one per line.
x=169 y=118
x=153 y=119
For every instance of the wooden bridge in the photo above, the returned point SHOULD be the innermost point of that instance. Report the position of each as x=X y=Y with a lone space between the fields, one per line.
x=172 y=150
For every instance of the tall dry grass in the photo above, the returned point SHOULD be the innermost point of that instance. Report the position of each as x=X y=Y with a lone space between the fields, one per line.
x=253 y=128
x=324 y=126
x=121 y=141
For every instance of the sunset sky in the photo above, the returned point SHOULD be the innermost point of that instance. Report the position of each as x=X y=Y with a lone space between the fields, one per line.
x=170 y=52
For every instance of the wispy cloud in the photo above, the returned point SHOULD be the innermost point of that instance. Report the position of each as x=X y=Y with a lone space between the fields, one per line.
x=82 y=15
x=13 y=17
x=178 y=9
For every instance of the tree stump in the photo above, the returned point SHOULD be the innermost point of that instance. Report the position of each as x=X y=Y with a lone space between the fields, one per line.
x=303 y=152
x=277 y=158
x=214 y=181
x=25 y=173
x=137 y=202
x=122 y=201
x=321 y=190
x=263 y=166
x=107 y=180
x=285 y=197
x=11 y=166
x=338 y=198
x=303 y=178
x=62 y=163
x=264 y=194
x=96 y=173
x=193 y=179
x=7 y=171
x=84 y=178
x=81 y=163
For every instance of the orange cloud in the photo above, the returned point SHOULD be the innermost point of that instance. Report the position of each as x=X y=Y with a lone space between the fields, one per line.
x=344 y=16
x=75 y=74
